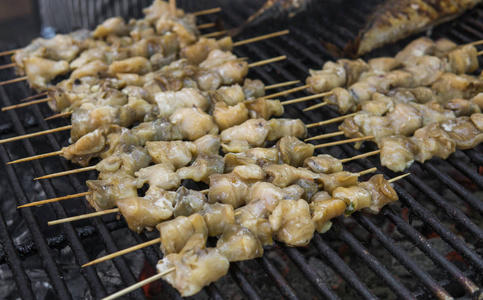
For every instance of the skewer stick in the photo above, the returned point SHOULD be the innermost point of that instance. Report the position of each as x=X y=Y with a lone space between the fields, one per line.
x=139 y=284
x=8 y=52
x=172 y=7
x=306 y=98
x=26 y=136
x=277 y=85
x=66 y=114
x=344 y=142
x=475 y=43
x=207 y=11
x=284 y=93
x=35 y=157
x=479 y=53
x=80 y=170
x=316 y=106
x=122 y=252
x=267 y=61
x=85 y=216
x=213 y=34
x=334 y=120
x=371 y=170
x=8 y=66
x=360 y=156
x=37 y=203
x=13 y=80
x=207 y=25
x=205 y=191
x=261 y=38
x=33 y=97
x=399 y=177
x=325 y=136
x=26 y=104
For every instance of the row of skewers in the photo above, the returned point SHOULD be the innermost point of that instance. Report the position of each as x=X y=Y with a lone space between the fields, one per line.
x=420 y=104
x=247 y=173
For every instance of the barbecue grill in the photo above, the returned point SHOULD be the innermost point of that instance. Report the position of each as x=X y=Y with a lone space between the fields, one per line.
x=427 y=245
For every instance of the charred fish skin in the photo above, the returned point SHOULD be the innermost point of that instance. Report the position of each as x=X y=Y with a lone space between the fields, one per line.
x=273 y=9
x=397 y=19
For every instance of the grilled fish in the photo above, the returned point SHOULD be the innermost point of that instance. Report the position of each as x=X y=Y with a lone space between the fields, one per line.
x=273 y=9
x=397 y=19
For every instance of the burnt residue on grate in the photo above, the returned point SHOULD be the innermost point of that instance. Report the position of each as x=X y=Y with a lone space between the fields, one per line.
x=427 y=245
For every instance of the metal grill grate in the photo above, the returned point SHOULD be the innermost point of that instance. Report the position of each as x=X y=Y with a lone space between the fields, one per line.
x=303 y=50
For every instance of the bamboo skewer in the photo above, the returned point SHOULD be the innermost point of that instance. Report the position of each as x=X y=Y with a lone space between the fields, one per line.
x=213 y=34
x=139 y=284
x=172 y=7
x=325 y=136
x=13 y=80
x=277 y=85
x=85 y=216
x=122 y=252
x=66 y=114
x=479 y=53
x=307 y=98
x=315 y=106
x=368 y=171
x=267 y=61
x=399 y=177
x=207 y=11
x=8 y=52
x=344 y=142
x=33 y=97
x=8 y=66
x=91 y=168
x=360 y=156
x=334 y=120
x=35 y=157
x=207 y=25
x=284 y=93
x=26 y=104
x=41 y=202
x=260 y=38
x=25 y=136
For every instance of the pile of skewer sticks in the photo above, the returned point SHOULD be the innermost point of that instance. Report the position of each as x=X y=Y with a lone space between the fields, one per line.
x=34 y=101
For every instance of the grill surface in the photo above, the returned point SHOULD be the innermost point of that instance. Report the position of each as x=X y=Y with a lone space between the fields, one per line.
x=441 y=199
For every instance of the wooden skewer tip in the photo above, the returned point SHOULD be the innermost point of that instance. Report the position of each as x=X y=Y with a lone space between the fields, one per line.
x=267 y=61
x=277 y=85
x=399 y=177
x=41 y=202
x=13 y=80
x=344 y=142
x=25 y=136
x=24 y=104
x=139 y=284
x=85 y=216
x=207 y=11
x=334 y=120
x=35 y=157
x=75 y=171
x=122 y=252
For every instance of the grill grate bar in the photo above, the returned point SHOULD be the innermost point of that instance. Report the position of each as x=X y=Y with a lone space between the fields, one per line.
x=419 y=240
x=341 y=268
x=242 y=282
x=468 y=171
x=309 y=272
x=371 y=262
x=455 y=214
x=475 y=157
x=22 y=281
x=285 y=289
x=402 y=257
